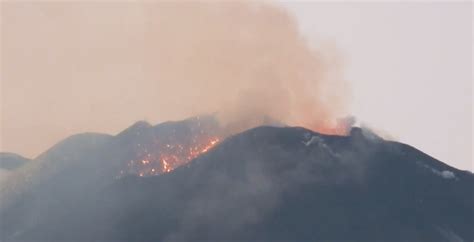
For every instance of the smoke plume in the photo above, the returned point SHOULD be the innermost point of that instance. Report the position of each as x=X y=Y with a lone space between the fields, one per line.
x=246 y=61
x=100 y=66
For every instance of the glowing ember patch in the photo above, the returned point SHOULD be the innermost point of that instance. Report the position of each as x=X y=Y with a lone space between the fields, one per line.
x=210 y=145
x=166 y=157
x=166 y=166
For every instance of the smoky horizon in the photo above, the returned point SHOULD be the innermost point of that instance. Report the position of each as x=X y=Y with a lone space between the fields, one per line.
x=69 y=68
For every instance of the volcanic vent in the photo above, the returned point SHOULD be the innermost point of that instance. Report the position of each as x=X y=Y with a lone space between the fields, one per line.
x=154 y=150
x=162 y=148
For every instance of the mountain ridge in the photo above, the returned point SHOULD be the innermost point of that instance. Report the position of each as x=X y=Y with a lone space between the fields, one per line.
x=266 y=183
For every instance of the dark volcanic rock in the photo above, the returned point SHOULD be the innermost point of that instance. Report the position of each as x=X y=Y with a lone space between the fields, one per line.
x=271 y=184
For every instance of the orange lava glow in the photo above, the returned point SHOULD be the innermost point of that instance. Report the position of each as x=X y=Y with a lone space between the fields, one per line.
x=166 y=158
x=341 y=126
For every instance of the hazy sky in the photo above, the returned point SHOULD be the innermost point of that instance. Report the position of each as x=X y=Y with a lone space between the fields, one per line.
x=409 y=67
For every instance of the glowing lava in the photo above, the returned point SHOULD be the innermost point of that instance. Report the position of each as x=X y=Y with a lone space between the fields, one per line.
x=163 y=148
x=166 y=157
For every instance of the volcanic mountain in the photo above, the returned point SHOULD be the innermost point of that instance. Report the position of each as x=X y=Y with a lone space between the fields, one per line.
x=263 y=184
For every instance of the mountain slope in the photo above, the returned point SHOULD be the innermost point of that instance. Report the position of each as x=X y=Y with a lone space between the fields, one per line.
x=77 y=167
x=278 y=184
x=11 y=161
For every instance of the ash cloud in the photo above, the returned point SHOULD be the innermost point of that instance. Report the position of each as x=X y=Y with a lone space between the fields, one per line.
x=98 y=67
x=244 y=60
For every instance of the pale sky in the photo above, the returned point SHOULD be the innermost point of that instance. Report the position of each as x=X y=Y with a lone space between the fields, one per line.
x=410 y=66
x=88 y=67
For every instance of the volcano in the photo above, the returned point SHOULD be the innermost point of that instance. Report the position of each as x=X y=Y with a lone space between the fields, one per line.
x=263 y=184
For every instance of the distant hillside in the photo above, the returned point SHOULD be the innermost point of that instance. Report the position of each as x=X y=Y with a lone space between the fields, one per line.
x=11 y=161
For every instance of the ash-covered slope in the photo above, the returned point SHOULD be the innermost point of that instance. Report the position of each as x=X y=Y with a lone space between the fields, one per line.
x=82 y=165
x=278 y=184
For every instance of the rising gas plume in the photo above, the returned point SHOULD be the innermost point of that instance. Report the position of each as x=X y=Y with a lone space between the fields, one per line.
x=245 y=61
x=76 y=67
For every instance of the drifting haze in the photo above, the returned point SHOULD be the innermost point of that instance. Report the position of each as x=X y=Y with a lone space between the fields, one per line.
x=75 y=67
x=410 y=68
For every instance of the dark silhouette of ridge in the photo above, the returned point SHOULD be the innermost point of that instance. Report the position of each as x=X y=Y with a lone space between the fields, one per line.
x=264 y=184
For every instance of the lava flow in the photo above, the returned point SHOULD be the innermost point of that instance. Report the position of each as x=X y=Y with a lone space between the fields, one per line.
x=162 y=158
